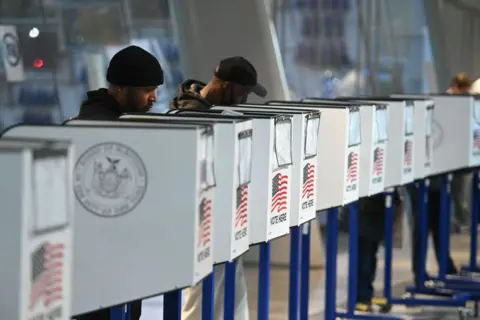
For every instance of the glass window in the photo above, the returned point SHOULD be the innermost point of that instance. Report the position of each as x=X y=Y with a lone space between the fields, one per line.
x=49 y=192
x=66 y=46
x=354 y=134
x=244 y=157
x=283 y=141
x=429 y=121
x=381 y=117
x=409 y=118
x=311 y=135
x=207 y=155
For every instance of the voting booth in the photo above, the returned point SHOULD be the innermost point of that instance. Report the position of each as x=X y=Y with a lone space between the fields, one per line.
x=456 y=126
x=305 y=126
x=373 y=117
x=271 y=162
x=36 y=229
x=338 y=149
x=401 y=143
x=136 y=202
x=423 y=122
x=233 y=164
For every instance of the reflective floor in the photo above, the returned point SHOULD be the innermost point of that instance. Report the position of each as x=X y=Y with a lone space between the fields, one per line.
x=279 y=286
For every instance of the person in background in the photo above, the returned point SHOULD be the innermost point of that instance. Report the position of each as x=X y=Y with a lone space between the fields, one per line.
x=460 y=84
x=371 y=233
x=234 y=79
x=133 y=75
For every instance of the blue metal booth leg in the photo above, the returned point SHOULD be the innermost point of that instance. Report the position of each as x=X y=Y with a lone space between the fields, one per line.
x=172 y=305
x=293 y=294
x=229 y=296
x=331 y=264
x=473 y=263
x=208 y=296
x=264 y=281
x=389 y=220
x=119 y=312
x=305 y=272
x=352 y=257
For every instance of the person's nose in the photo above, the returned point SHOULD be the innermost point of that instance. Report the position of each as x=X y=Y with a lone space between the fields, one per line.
x=153 y=97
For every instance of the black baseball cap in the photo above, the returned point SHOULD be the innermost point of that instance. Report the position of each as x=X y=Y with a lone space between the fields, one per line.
x=240 y=71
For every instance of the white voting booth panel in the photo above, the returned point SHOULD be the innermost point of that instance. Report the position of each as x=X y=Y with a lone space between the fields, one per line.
x=338 y=152
x=401 y=143
x=456 y=132
x=36 y=229
x=269 y=201
x=305 y=126
x=233 y=155
x=423 y=114
x=372 y=147
x=136 y=203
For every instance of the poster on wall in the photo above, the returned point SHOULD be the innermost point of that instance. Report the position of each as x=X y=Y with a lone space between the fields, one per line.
x=11 y=55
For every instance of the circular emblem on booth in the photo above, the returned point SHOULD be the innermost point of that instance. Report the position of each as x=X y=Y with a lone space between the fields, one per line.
x=109 y=179
x=12 y=51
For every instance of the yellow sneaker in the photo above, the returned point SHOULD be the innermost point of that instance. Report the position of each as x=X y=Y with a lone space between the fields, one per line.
x=382 y=304
x=363 y=307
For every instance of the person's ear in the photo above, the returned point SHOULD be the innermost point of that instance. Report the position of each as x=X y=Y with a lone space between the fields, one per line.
x=226 y=86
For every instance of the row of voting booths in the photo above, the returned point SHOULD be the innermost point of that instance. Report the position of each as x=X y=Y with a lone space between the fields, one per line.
x=117 y=211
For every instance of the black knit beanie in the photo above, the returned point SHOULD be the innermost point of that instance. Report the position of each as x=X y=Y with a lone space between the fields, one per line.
x=134 y=67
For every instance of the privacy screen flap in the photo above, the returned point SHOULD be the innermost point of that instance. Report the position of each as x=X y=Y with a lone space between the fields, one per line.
x=311 y=135
x=408 y=119
x=244 y=157
x=283 y=141
x=207 y=153
x=381 y=117
x=354 y=134
x=428 y=121
x=49 y=191
x=476 y=111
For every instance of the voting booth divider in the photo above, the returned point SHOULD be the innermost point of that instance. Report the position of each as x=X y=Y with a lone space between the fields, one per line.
x=36 y=228
x=127 y=188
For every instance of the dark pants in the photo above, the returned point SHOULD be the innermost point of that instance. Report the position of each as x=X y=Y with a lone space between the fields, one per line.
x=367 y=267
x=104 y=314
x=433 y=228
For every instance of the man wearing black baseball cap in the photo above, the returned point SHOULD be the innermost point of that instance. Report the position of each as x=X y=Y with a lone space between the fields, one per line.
x=234 y=79
x=134 y=76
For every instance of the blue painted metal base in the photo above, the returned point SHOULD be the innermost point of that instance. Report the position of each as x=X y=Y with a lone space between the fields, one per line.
x=294 y=273
x=208 y=296
x=264 y=281
x=172 y=305
x=229 y=296
x=365 y=316
x=119 y=312
x=305 y=272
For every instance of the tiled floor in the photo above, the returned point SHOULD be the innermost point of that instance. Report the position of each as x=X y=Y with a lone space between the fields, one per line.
x=279 y=287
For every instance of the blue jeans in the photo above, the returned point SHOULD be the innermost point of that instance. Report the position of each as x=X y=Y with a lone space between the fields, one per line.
x=367 y=267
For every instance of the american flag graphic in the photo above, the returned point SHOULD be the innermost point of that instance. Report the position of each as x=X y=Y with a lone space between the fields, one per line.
x=352 y=167
x=476 y=139
x=378 y=161
x=242 y=207
x=47 y=274
x=205 y=232
x=308 y=181
x=279 y=193
x=427 y=147
x=408 y=152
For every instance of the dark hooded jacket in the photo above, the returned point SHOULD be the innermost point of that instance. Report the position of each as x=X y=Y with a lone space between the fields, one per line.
x=100 y=105
x=189 y=96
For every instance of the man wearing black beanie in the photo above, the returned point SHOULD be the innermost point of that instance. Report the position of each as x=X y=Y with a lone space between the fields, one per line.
x=133 y=75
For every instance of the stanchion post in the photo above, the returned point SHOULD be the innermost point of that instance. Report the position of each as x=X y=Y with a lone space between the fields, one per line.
x=293 y=293
x=305 y=272
x=352 y=257
x=172 y=305
x=208 y=296
x=229 y=296
x=389 y=220
x=331 y=264
x=264 y=281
